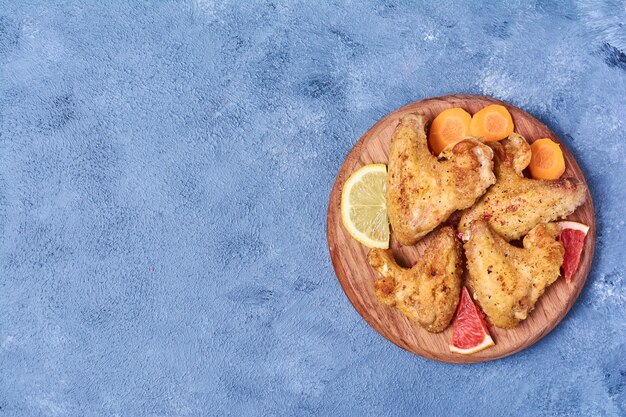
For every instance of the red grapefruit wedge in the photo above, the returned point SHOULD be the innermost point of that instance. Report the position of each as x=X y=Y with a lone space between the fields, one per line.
x=573 y=239
x=470 y=334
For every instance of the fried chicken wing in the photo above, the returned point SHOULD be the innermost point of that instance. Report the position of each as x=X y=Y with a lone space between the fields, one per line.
x=423 y=191
x=428 y=292
x=514 y=204
x=506 y=280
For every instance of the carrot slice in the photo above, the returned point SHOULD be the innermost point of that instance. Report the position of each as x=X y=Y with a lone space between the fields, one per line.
x=449 y=127
x=546 y=162
x=492 y=123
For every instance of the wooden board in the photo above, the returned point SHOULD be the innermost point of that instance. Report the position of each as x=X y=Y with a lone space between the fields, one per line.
x=357 y=277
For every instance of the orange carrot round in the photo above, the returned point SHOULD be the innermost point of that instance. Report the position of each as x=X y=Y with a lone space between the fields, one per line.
x=546 y=162
x=492 y=123
x=449 y=127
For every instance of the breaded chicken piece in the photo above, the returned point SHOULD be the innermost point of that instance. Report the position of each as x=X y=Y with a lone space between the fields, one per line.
x=428 y=292
x=423 y=191
x=506 y=280
x=515 y=204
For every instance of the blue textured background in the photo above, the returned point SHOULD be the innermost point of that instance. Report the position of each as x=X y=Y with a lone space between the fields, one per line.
x=164 y=176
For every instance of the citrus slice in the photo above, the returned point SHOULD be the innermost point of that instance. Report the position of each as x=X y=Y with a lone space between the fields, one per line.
x=470 y=333
x=364 y=208
x=574 y=226
x=573 y=239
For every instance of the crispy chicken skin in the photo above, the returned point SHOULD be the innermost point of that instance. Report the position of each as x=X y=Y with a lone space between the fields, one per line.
x=507 y=280
x=423 y=191
x=515 y=204
x=428 y=292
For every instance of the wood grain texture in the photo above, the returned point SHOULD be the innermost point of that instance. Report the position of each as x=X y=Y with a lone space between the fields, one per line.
x=357 y=277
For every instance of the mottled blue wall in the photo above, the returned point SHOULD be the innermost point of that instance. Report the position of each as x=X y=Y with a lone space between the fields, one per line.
x=164 y=176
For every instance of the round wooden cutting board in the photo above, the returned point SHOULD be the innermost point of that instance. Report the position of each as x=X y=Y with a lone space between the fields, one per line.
x=357 y=277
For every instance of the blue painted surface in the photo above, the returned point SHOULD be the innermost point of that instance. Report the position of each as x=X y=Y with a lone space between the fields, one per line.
x=164 y=175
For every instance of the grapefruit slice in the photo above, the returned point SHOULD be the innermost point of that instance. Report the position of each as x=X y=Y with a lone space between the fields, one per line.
x=573 y=239
x=470 y=333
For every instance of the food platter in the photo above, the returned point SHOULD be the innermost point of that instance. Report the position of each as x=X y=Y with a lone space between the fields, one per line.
x=357 y=278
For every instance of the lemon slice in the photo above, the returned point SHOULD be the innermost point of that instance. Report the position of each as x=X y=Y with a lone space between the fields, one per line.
x=363 y=206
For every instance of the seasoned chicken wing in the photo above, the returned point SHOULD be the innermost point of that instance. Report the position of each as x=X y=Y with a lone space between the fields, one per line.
x=423 y=191
x=507 y=280
x=514 y=204
x=428 y=292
